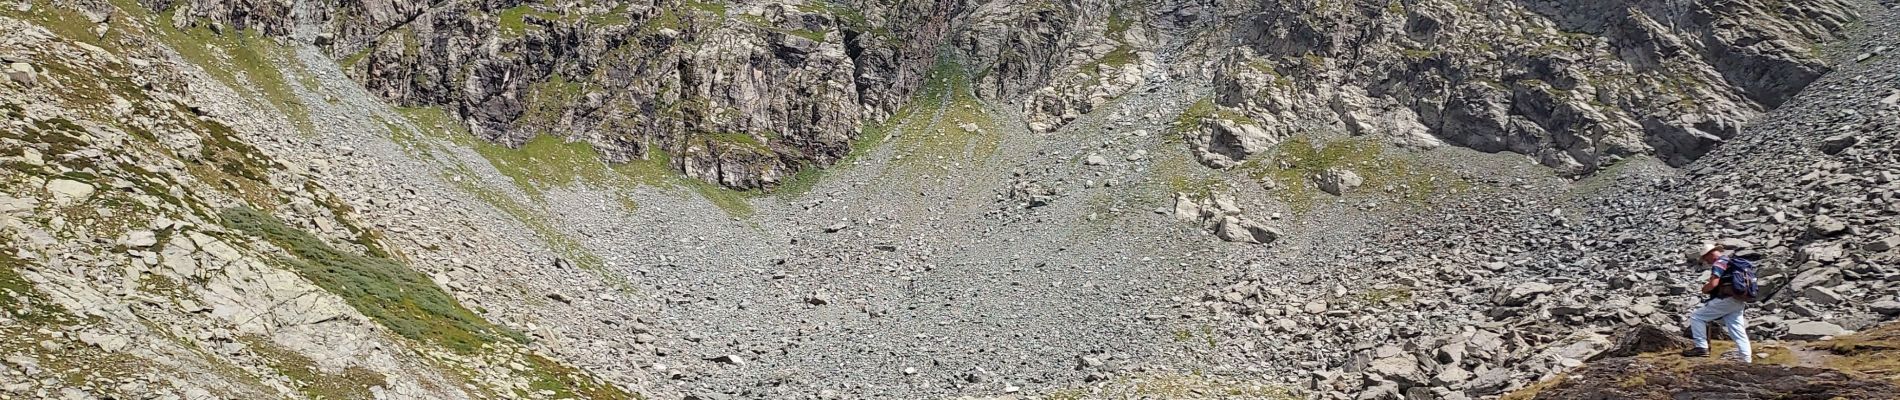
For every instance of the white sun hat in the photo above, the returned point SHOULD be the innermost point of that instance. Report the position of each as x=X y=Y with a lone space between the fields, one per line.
x=1695 y=252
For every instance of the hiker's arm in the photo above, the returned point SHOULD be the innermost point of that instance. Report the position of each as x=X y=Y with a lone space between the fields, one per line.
x=1716 y=270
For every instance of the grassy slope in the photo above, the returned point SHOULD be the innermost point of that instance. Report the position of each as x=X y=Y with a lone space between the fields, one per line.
x=373 y=282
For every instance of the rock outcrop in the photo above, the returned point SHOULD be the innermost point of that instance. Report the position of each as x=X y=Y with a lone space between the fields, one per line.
x=1575 y=85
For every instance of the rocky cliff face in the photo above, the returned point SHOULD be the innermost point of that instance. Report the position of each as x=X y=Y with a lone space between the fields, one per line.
x=739 y=94
x=744 y=94
x=1574 y=85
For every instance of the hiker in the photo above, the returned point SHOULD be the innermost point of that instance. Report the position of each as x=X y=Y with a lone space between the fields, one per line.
x=1730 y=287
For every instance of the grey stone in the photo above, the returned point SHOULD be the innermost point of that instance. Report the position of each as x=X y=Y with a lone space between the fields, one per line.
x=67 y=192
x=1315 y=307
x=140 y=239
x=1885 y=307
x=1337 y=181
x=818 y=299
x=1826 y=226
x=1523 y=293
x=23 y=73
x=1838 y=143
x=1811 y=330
x=1883 y=244
x=1817 y=277
x=1401 y=368
x=1823 y=295
x=1234 y=229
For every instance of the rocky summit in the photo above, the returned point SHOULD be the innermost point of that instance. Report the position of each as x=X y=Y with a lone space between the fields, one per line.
x=945 y=199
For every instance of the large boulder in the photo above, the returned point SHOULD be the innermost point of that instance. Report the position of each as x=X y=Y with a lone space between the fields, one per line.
x=1236 y=229
x=1337 y=181
x=68 y=192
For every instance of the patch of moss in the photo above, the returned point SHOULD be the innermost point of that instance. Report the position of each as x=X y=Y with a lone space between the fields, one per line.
x=715 y=7
x=21 y=300
x=744 y=140
x=353 y=382
x=736 y=203
x=401 y=299
x=667 y=18
x=616 y=16
x=1292 y=163
x=546 y=162
x=232 y=165
x=1386 y=296
x=513 y=22
x=930 y=130
x=547 y=101
x=567 y=382
x=1418 y=54
x=357 y=57
x=1872 y=352
x=1113 y=61
x=1117 y=24
x=1205 y=110
x=814 y=35
x=1531 y=392
x=1192 y=384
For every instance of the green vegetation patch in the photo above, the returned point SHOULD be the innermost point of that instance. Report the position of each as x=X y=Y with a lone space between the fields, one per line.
x=1179 y=385
x=1873 y=352
x=513 y=22
x=353 y=382
x=1386 y=296
x=546 y=162
x=616 y=16
x=568 y=382
x=399 y=298
x=1113 y=61
x=930 y=130
x=1205 y=110
x=1292 y=163
x=1117 y=24
x=814 y=35
x=20 y=299
x=522 y=168
x=231 y=165
x=547 y=102
x=715 y=7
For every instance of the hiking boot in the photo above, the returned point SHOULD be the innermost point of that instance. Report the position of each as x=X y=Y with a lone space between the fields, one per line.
x=1696 y=352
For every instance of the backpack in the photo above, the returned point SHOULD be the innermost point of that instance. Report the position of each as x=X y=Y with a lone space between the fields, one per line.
x=1738 y=280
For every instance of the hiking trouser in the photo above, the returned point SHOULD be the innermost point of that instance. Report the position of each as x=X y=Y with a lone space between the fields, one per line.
x=1728 y=312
